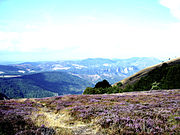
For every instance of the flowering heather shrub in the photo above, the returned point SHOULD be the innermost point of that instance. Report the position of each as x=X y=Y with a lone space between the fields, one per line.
x=14 y=118
x=155 y=112
x=133 y=113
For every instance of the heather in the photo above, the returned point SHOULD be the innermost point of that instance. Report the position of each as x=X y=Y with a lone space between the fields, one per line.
x=151 y=112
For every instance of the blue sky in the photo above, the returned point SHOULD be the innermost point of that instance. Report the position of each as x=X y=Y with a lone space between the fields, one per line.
x=35 y=30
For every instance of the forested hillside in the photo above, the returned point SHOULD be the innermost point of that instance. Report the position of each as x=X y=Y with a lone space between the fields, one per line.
x=44 y=84
x=9 y=70
x=164 y=77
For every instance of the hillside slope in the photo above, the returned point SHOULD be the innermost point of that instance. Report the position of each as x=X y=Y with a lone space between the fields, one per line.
x=10 y=70
x=43 y=84
x=159 y=73
x=142 y=113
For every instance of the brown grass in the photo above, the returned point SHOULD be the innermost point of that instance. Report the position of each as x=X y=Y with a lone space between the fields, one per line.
x=135 y=77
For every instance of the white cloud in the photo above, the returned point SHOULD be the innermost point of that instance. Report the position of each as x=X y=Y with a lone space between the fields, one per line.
x=88 y=36
x=170 y=35
x=173 y=5
x=96 y=40
x=7 y=40
x=8 y=35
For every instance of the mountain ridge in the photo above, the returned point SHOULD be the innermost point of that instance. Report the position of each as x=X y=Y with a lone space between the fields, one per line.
x=91 y=69
x=143 y=73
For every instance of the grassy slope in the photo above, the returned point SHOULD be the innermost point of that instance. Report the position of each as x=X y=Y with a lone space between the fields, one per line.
x=137 y=76
x=136 y=112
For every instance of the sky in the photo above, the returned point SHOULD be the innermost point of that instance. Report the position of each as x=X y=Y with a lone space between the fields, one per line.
x=45 y=30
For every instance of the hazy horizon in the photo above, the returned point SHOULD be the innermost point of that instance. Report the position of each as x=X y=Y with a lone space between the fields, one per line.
x=76 y=60
x=38 y=30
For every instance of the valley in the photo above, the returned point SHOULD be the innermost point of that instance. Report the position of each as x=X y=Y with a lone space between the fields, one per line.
x=46 y=79
x=92 y=69
x=43 y=84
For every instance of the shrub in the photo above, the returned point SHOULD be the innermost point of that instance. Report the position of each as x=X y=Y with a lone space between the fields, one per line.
x=89 y=90
x=155 y=86
x=119 y=84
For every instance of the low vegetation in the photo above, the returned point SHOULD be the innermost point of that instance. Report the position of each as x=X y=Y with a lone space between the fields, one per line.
x=105 y=88
x=152 y=112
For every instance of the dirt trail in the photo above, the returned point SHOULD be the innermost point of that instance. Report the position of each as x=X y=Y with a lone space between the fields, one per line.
x=62 y=122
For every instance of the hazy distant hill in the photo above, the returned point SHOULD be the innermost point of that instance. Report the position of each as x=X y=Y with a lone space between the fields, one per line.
x=7 y=69
x=92 y=69
x=165 y=75
x=43 y=84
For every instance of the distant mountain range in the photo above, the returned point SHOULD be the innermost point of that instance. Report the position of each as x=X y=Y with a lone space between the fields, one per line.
x=45 y=79
x=92 y=69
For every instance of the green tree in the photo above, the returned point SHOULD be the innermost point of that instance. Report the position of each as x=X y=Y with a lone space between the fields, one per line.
x=89 y=90
x=119 y=84
x=102 y=84
x=155 y=86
